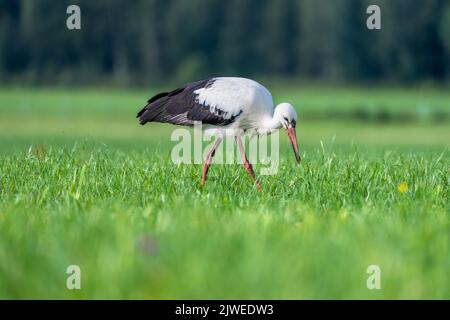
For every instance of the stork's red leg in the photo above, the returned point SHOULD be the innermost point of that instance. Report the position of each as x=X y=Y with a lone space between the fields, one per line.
x=208 y=159
x=247 y=164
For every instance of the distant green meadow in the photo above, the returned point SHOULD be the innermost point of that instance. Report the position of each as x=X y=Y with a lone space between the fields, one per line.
x=82 y=183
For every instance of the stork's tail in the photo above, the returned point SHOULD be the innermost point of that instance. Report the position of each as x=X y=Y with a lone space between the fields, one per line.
x=148 y=113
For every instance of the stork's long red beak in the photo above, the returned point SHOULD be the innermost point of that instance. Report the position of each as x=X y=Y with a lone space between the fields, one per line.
x=293 y=139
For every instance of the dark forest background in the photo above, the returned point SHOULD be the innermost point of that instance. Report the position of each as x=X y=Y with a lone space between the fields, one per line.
x=151 y=41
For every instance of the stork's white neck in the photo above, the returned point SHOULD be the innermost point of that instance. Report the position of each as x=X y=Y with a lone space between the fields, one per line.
x=272 y=123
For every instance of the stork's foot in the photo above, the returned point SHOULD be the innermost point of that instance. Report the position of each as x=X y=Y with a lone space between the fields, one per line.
x=205 y=172
x=249 y=168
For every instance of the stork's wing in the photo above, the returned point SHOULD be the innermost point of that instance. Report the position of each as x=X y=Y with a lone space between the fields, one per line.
x=183 y=107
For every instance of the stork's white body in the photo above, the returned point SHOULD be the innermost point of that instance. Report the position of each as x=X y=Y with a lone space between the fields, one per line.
x=233 y=95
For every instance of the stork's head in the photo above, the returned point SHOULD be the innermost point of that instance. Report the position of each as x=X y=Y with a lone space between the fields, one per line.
x=287 y=116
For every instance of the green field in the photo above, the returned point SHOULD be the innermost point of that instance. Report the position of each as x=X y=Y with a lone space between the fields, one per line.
x=81 y=183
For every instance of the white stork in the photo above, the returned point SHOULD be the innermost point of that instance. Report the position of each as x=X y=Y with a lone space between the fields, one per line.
x=224 y=106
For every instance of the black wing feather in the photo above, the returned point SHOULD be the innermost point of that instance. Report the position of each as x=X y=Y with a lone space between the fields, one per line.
x=181 y=107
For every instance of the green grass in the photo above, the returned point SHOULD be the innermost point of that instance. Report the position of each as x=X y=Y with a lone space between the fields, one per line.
x=82 y=185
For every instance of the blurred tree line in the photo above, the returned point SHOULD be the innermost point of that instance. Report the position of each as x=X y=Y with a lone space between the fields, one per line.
x=148 y=41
